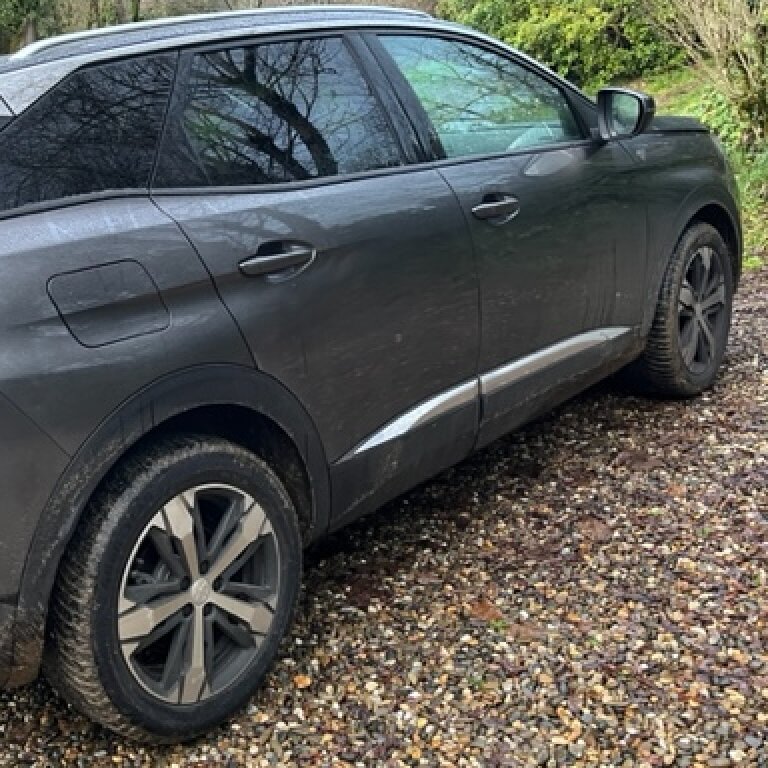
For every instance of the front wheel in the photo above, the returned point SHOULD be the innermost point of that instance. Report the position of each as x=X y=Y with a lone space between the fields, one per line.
x=688 y=337
x=176 y=590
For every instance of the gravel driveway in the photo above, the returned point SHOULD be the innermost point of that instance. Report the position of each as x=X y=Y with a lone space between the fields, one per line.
x=592 y=590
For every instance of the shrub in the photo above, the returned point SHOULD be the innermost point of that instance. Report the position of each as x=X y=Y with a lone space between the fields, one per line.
x=591 y=42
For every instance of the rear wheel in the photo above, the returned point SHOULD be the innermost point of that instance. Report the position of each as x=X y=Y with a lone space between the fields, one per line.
x=688 y=337
x=176 y=590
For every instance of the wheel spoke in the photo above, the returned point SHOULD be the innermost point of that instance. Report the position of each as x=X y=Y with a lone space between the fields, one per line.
x=259 y=593
x=163 y=545
x=686 y=298
x=174 y=661
x=707 y=338
x=210 y=650
x=181 y=524
x=235 y=632
x=714 y=299
x=139 y=621
x=689 y=341
x=226 y=525
x=258 y=616
x=146 y=593
x=249 y=527
x=704 y=263
x=195 y=675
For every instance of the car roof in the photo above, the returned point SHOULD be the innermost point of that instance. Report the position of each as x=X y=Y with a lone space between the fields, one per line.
x=198 y=26
x=28 y=74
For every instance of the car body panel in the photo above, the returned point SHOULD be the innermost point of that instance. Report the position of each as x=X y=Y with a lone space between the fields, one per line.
x=46 y=369
x=676 y=176
x=571 y=261
x=384 y=317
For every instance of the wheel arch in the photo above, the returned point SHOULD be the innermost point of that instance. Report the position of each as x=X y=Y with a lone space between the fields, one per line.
x=230 y=401
x=717 y=216
x=710 y=204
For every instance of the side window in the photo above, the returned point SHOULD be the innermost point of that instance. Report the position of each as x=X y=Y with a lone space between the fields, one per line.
x=479 y=102
x=275 y=112
x=95 y=131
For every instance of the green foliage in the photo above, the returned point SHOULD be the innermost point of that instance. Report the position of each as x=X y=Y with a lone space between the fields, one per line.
x=15 y=13
x=591 y=42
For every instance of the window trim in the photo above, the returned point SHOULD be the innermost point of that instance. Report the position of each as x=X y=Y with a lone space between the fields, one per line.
x=361 y=61
x=419 y=117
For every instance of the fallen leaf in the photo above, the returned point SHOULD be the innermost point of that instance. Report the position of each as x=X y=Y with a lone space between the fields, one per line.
x=486 y=611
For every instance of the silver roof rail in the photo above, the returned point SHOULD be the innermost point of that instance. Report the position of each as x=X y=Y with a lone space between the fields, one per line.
x=53 y=42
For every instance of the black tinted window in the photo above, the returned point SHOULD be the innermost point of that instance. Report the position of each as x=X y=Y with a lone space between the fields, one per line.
x=273 y=113
x=96 y=131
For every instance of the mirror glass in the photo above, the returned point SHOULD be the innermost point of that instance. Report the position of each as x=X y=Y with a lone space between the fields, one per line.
x=625 y=113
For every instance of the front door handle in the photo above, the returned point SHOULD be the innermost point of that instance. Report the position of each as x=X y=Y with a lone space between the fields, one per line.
x=497 y=208
x=278 y=257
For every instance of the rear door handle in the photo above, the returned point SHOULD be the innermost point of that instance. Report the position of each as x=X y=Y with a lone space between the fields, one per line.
x=497 y=208
x=277 y=257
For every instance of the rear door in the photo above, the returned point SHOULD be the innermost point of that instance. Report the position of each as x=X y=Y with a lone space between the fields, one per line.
x=547 y=207
x=350 y=273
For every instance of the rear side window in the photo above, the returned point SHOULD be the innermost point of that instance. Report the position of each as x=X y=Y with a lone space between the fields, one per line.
x=275 y=112
x=480 y=102
x=96 y=131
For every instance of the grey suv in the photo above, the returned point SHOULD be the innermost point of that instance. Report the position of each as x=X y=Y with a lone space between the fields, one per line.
x=262 y=272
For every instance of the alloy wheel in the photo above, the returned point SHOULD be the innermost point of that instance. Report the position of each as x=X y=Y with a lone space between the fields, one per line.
x=701 y=309
x=198 y=594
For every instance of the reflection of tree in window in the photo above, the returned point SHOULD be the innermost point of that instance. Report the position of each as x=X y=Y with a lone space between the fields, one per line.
x=95 y=131
x=281 y=112
x=478 y=101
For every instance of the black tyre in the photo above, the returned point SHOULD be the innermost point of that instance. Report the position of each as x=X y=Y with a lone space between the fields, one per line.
x=688 y=337
x=176 y=590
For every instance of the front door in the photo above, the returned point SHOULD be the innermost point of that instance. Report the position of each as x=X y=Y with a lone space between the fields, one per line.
x=545 y=209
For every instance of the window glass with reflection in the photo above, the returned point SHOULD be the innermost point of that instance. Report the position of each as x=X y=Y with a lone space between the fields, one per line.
x=274 y=113
x=96 y=131
x=479 y=102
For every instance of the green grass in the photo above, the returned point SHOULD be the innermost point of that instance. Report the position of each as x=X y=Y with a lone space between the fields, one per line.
x=685 y=91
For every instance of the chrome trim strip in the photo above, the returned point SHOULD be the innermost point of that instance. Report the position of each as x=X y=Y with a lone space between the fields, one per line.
x=194 y=18
x=487 y=384
x=510 y=373
x=22 y=87
x=429 y=410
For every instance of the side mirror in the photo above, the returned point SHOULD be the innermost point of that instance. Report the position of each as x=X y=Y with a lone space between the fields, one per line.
x=622 y=114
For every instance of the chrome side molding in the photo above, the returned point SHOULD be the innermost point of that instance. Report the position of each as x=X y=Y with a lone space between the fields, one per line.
x=511 y=373
x=427 y=411
x=487 y=384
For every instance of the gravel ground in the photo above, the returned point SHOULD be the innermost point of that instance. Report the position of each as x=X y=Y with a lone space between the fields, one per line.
x=592 y=590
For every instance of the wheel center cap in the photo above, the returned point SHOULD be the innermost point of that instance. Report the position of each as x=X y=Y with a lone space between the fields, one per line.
x=200 y=592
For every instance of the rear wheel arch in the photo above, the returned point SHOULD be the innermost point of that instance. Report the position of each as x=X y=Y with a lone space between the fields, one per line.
x=237 y=403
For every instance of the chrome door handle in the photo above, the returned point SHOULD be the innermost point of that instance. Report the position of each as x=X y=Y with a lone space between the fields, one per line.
x=272 y=258
x=500 y=207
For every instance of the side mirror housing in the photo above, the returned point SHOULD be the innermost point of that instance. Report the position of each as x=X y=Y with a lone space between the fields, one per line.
x=622 y=114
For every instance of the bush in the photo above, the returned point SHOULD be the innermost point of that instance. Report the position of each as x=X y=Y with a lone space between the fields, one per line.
x=591 y=42
x=729 y=43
